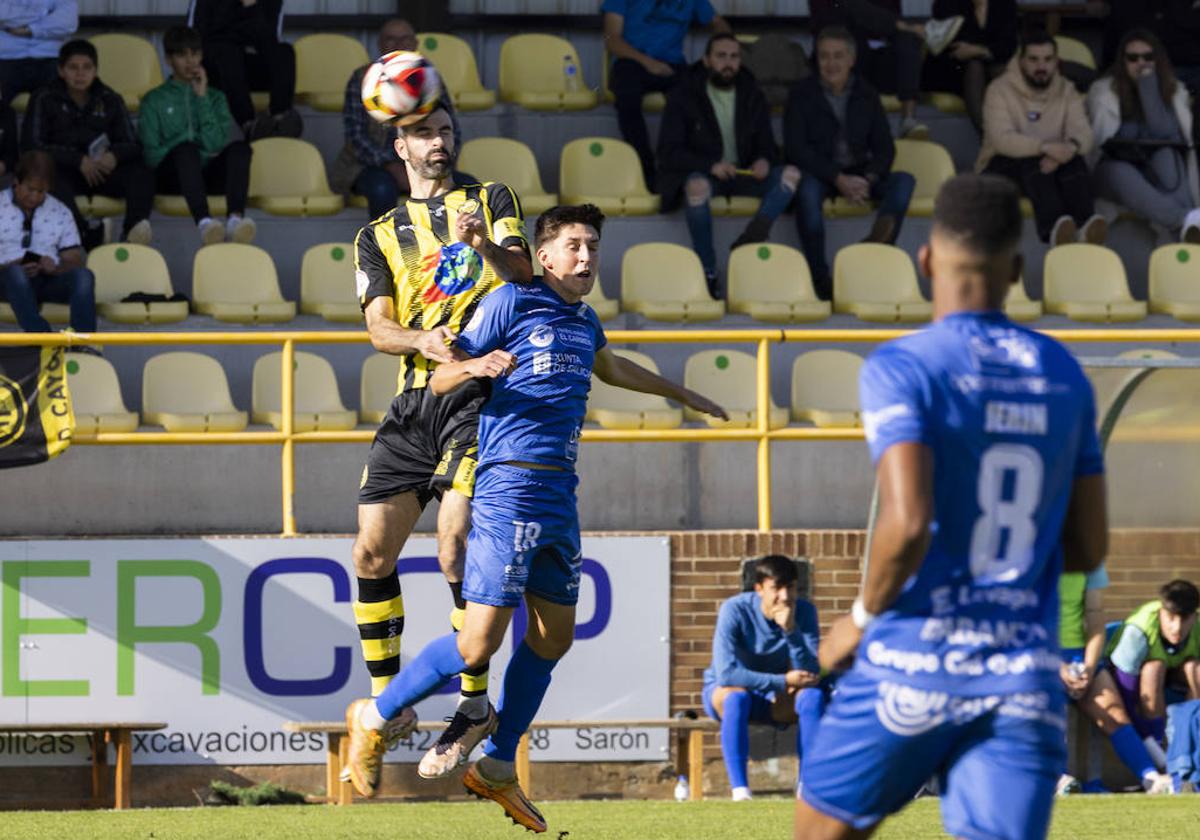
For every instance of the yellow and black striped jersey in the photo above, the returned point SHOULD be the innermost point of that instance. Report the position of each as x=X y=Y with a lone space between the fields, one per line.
x=411 y=255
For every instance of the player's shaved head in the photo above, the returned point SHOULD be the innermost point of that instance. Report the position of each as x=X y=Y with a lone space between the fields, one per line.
x=981 y=211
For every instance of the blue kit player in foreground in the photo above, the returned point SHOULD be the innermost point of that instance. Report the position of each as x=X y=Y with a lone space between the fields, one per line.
x=990 y=483
x=539 y=344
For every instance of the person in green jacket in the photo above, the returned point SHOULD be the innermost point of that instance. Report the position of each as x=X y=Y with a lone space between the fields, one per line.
x=184 y=126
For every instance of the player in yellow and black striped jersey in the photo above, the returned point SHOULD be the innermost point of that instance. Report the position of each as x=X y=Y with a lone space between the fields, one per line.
x=421 y=270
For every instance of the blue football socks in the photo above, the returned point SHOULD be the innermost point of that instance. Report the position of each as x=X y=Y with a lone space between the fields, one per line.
x=525 y=682
x=735 y=736
x=1132 y=752
x=433 y=667
x=810 y=705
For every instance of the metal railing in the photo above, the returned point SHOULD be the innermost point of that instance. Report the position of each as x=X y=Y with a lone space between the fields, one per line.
x=287 y=437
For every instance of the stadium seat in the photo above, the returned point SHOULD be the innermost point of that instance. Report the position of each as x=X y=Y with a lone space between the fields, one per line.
x=605 y=307
x=930 y=164
x=96 y=396
x=188 y=392
x=324 y=61
x=176 y=205
x=55 y=313
x=20 y=103
x=235 y=282
x=665 y=282
x=123 y=269
x=771 y=282
x=455 y=61
x=99 y=206
x=510 y=162
x=652 y=102
x=377 y=386
x=1106 y=381
x=1175 y=281
x=287 y=178
x=947 y=103
x=825 y=388
x=1087 y=283
x=1018 y=306
x=327 y=283
x=318 y=408
x=607 y=173
x=532 y=74
x=728 y=378
x=128 y=64
x=618 y=408
x=1072 y=49
x=878 y=283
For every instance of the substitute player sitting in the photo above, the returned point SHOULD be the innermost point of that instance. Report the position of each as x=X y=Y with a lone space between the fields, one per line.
x=990 y=473
x=538 y=344
x=422 y=270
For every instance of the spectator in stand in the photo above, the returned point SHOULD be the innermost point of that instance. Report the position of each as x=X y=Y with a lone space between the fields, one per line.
x=184 y=125
x=980 y=51
x=40 y=255
x=367 y=164
x=1141 y=120
x=716 y=138
x=8 y=140
x=764 y=667
x=888 y=48
x=31 y=34
x=84 y=126
x=835 y=130
x=244 y=50
x=1036 y=132
x=645 y=39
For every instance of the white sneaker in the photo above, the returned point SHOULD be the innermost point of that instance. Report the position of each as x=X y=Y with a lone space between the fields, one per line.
x=211 y=232
x=240 y=229
x=141 y=233
x=1094 y=230
x=911 y=129
x=1067 y=784
x=939 y=34
x=1191 y=228
x=741 y=794
x=1157 y=784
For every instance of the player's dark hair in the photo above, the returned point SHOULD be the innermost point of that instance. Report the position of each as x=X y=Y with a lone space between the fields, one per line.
x=983 y=212
x=77 y=47
x=559 y=216
x=778 y=568
x=1180 y=597
x=181 y=39
x=1037 y=37
x=837 y=33
x=720 y=36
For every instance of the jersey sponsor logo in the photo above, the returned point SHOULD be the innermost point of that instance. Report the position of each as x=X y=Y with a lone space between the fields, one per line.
x=948 y=599
x=542 y=336
x=1015 y=418
x=576 y=337
x=456 y=268
x=547 y=362
x=965 y=631
x=873 y=420
x=970 y=383
x=907 y=711
x=1005 y=348
x=361 y=282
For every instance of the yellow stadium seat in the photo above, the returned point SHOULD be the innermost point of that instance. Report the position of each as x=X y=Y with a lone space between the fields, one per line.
x=324 y=61
x=128 y=64
x=1106 y=382
x=532 y=74
x=878 y=283
x=618 y=408
x=651 y=102
x=176 y=205
x=665 y=282
x=96 y=396
x=287 y=178
x=1072 y=49
x=607 y=173
x=947 y=103
x=123 y=269
x=20 y=103
x=771 y=282
x=825 y=388
x=97 y=206
x=327 y=283
x=890 y=102
x=1018 y=306
x=235 y=282
x=510 y=162
x=455 y=62
x=377 y=386
x=728 y=378
x=318 y=407
x=1087 y=283
x=605 y=307
x=188 y=392
x=1175 y=281
x=930 y=164
x=55 y=313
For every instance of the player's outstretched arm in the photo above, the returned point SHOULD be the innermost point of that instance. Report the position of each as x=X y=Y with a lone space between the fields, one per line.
x=387 y=336
x=1085 y=528
x=448 y=377
x=511 y=264
x=622 y=373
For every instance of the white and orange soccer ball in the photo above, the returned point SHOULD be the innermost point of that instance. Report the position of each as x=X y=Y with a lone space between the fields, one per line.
x=401 y=85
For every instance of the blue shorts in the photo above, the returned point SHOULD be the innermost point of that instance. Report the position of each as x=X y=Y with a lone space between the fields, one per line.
x=997 y=758
x=524 y=537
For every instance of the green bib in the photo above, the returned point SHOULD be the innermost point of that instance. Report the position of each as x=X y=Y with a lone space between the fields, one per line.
x=1145 y=618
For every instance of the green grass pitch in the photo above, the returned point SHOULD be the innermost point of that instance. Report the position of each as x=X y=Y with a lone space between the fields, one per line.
x=1077 y=818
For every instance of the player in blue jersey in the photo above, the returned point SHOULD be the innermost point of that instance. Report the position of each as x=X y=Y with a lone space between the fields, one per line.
x=990 y=475
x=538 y=344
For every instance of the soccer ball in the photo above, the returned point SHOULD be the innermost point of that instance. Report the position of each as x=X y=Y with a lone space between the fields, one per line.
x=401 y=85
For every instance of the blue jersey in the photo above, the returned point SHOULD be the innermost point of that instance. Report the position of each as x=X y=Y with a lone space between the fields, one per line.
x=536 y=412
x=752 y=651
x=1010 y=419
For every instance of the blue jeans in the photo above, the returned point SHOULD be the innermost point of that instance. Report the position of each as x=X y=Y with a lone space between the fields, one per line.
x=893 y=194
x=775 y=199
x=27 y=294
x=380 y=189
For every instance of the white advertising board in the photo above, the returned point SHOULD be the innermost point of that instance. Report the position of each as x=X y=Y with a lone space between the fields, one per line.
x=225 y=639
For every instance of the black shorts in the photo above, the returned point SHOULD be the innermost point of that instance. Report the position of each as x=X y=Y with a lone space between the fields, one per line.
x=426 y=444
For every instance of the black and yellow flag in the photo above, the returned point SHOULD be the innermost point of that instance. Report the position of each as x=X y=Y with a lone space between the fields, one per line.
x=36 y=421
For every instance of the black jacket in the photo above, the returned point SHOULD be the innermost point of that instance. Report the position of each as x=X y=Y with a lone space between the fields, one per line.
x=810 y=131
x=57 y=125
x=229 y=20
x=689 y=139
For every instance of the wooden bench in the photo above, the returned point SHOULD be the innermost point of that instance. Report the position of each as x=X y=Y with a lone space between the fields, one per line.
x=103 y=734
x=689 y=738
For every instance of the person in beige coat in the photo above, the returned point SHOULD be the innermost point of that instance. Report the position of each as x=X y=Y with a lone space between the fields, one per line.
x=1142 y=123
x=1036 y=133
